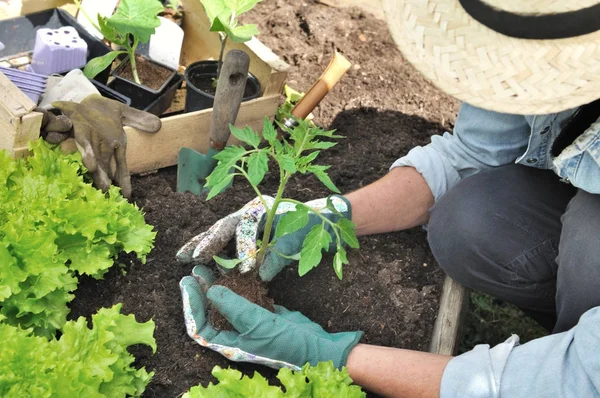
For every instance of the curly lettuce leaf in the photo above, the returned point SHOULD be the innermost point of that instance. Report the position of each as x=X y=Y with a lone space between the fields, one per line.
x=322 y=380
x=55 y=226
x=82 y=363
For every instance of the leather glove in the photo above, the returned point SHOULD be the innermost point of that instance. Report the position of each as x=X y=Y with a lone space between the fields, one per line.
x=246 y=226
x=98 y=131
x=280 y=339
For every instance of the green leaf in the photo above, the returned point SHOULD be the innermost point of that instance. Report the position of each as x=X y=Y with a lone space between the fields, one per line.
x=227 y=158
x=258 y=164
x=240 y=6
x=269 y=132
x=213 y=8
x=347 y=232
x=322 y=144
x=241 y=34
x=219 y=186
x=287 y=163
x=246 y=135
x=221 y=22
x=98 y=64
x=316 y=240
x=227 y=263
x=339 y=260
x=292 y=221
x=319 y=171
x=137 y=17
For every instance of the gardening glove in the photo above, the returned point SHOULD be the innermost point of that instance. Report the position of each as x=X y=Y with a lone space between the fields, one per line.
x=55 y=128
x=276 y=339
x=98 y=131
x=246 y=226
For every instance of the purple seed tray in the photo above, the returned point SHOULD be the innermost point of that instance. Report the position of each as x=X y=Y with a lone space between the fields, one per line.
x=58 y=51
x=32 y=84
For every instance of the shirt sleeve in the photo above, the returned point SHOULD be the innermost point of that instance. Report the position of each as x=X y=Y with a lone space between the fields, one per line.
x=481 y=139
x=560 y=365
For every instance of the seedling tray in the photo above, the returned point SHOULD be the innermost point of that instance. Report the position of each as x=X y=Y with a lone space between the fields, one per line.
x=145 y=152
x=18 y=35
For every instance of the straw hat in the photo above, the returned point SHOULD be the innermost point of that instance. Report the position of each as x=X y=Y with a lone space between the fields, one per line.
x=512 y=56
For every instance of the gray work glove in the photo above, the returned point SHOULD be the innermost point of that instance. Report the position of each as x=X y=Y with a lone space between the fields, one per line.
x=98 y=134
x=246 y=227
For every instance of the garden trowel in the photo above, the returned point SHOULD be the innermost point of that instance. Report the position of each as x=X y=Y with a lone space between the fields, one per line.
x=193 y=167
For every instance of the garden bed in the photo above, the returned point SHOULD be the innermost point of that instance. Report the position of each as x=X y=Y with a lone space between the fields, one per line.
x=392 y=287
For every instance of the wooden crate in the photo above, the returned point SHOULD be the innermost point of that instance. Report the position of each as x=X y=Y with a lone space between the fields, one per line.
x=146 y=152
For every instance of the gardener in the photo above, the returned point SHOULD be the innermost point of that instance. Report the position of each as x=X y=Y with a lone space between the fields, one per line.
x=511 y=204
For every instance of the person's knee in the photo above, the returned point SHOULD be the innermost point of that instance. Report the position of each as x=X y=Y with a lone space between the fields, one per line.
x=458 y=226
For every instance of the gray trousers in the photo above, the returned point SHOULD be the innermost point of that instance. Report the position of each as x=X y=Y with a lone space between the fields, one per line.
x=521 y=235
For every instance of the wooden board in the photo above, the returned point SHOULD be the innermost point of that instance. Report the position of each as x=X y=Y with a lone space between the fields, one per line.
x=448 y=325
x=146 y=152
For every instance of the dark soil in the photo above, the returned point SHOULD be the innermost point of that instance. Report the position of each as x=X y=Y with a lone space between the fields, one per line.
x=391 y=287
x=151 y=74
x=248 y=286
x=206 y=84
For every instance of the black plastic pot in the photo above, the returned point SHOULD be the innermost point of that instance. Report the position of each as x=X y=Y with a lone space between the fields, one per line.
x=18 y=35
x=108 y=92
x=203 y=72
x=145 y=98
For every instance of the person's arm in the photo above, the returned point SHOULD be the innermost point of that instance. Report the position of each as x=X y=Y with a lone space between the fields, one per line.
x=399 y=200
x=402 y=198
x=394 y=372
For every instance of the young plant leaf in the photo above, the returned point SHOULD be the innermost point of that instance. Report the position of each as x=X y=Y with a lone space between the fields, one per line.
x=339 y=260
x=240 y=6
x=287 y=163
x=227 y=158
x=246 y=135
x=322 y=144
x=319 y=171
x=269 y=132
x=347 y=232
x=227 y=263
x=137 y=17
x=213 y=8
x=98 y=64
x=241 y=34
x=292 y=221
x=258 y=164
x=316 y=240
x=219 y=186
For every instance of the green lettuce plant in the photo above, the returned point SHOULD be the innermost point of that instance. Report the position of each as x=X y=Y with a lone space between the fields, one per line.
x=223 y=17
x=84 y=362
x=319 y=381
x=54 y=226
x=295 y=154
x=133 y=22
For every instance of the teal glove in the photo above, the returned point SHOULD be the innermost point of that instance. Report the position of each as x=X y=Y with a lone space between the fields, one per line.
x=280 y=339
x=246 y=225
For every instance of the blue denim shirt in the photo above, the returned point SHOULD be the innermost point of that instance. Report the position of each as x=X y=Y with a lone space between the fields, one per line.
x=561 y=365
x=484 y=139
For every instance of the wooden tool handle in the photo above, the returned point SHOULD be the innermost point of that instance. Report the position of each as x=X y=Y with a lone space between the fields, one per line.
x=230 y=91
x=335 y=70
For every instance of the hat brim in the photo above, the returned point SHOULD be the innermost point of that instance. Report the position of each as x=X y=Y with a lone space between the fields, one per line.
x=489 y=70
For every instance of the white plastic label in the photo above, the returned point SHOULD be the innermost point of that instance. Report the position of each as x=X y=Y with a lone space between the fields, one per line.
x=165 y=43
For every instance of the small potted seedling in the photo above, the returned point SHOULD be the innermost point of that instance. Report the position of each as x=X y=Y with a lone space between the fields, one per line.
x=294 y=154
x=150 y=86
x=201 y=77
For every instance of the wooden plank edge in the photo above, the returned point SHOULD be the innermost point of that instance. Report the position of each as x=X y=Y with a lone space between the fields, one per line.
x=147 y=152
x=448 y=325
x=13 y=100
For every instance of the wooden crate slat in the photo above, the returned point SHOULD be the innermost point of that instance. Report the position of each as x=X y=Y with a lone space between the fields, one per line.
x=147 y=152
